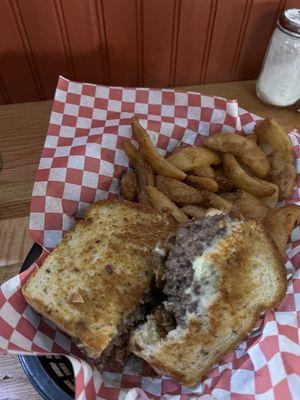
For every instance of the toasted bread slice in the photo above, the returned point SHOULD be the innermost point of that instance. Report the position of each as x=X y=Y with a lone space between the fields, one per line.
x=239 y=275
x=96 y=278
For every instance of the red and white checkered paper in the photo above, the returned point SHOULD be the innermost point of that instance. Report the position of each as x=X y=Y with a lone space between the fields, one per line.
x=82 y=162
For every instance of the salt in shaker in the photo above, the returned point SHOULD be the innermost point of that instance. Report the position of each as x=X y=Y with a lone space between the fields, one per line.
x=278 y=83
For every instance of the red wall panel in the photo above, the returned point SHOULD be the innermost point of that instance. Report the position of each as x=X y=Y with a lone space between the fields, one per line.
x=192 y=39
x=258 y=29
x=229 y=20
x=84 y=40
x=130 y=42
x=18 y=82
x=122 y=44
x=157 y=24
x=45 y=35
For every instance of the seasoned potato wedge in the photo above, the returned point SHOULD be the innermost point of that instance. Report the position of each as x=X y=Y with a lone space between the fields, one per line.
x=280 y=223
x=206 y=171
x=276 y=144
x=245 y=150
x=251 y=206
x=177 y=191
x=163 y=204
x=159 y=164
x=242 y=180
x=202 y=182
x=144 y=172
x=128 y=187
x=194 y=211
x=188 y=158
x=215 y=201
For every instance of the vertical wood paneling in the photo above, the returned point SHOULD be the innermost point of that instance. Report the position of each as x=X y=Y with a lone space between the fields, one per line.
x=4 y=96
x=292 y=4
x=64 y=36
x=175 y=41
x=101 y=26
x=257 y=34
x=208 y=39
x=85 y=42
x=120 y=27
x=191 y=44
x=225 y=36
x=241 y=37
x=158 y=22
x=2 y=100
x=280 y=8
x=27 y=46
x=139 y=12
x=14 y=67
x=46 y=41
x=131 y=42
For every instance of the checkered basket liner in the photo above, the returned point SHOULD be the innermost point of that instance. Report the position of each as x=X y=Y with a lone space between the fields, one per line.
x=82 y=162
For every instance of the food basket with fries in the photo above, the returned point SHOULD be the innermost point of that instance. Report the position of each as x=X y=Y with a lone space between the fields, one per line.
x=182 y=153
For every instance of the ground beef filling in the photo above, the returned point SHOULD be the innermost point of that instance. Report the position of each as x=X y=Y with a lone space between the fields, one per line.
x=165 y=321
x=192 y=240
x=116 y=353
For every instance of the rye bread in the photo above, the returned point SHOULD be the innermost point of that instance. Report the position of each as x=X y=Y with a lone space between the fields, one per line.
x=100 y=273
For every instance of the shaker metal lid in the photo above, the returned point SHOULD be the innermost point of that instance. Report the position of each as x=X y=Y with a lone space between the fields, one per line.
x=290 y=20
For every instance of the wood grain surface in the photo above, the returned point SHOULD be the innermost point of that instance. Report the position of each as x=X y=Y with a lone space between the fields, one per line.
x=14 y=384
x=15 y=240
x=23 y=129
x=22 y=133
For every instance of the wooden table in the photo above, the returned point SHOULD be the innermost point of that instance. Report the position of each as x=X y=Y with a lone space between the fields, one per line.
x=22 y=134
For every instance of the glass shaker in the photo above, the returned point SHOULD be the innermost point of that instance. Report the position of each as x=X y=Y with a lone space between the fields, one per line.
x=278 y=83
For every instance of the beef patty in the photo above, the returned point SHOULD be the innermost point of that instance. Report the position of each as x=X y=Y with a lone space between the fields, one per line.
x=191 y=241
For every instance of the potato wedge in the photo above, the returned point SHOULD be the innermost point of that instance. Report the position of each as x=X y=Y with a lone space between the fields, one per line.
x=271 y=201
x=194 y=211
x=215 y=201
x=252 y=137
x=177 y=191
x=163 y=204
x=230 y=196
x=188 y=158
x=202 y=182
x=277 y=146
x=273 y=139
x=138 y=162
x=206 y=170
x=242 y=180
x=280 y=223
x=144 y=172
x=159 y=164
x=128 y=186
x=251 y=206
x=245 y=150
x=177 y=148
x=284 y=175
x=225 y=185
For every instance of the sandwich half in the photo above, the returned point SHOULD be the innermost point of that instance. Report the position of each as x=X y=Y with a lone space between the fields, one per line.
x=220 y=274
x=96 y=281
